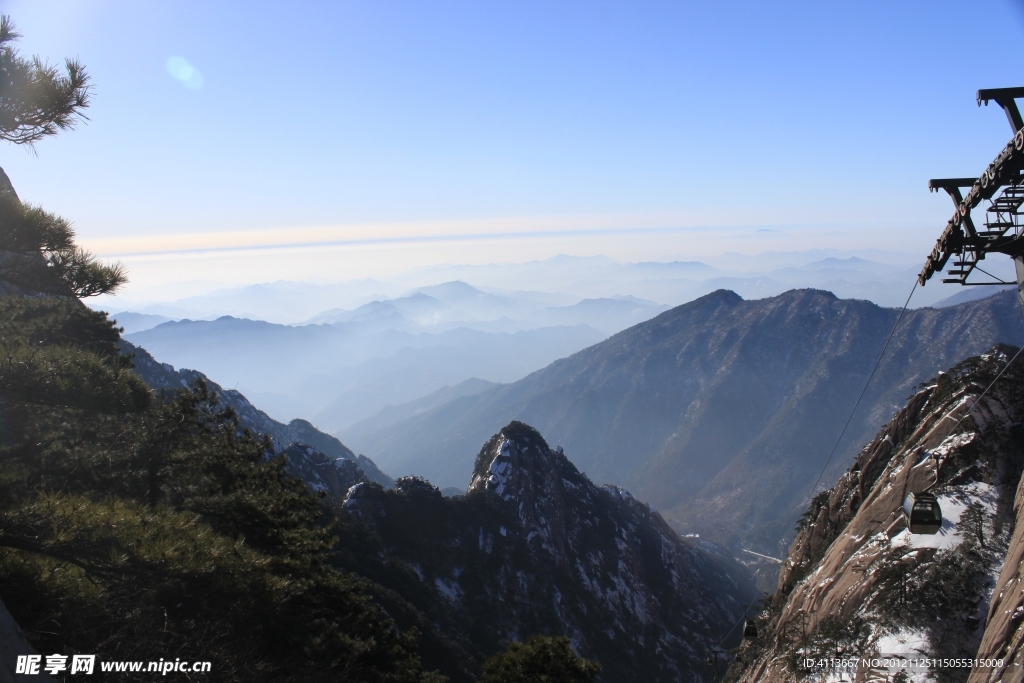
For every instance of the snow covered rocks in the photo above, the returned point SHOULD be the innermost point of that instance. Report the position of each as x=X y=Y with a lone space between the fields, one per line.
x=857 y=581
x=320 y=471
x=366 y=501
x=501 y=468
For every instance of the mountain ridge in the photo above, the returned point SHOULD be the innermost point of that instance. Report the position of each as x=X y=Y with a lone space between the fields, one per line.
x=650 y=407
x=312 y=455
x=301 y=371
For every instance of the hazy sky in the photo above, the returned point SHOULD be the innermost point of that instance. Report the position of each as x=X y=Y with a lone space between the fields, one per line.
x=262 y=140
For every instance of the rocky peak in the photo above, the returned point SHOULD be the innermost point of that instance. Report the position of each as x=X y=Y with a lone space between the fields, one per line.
x=551 y=499
x=535 y=547
x=334 y=476
x=516 y=460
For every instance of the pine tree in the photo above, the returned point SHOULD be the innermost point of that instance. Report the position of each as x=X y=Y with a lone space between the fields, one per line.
x=37 y=249
x=38 y=254
x=540 y=659
x=136 y=526
x=161 y=526
x=972 y=523
x=36 y=99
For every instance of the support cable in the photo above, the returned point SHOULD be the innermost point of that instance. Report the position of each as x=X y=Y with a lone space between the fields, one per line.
x=990 y=384
x=729 y=633
x=863 y=391
x=938 y=461
x=998 y=280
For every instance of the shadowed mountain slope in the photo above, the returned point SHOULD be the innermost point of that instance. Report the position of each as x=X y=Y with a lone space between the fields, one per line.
x=535 y=547
x=313 y=456
x=720 y=412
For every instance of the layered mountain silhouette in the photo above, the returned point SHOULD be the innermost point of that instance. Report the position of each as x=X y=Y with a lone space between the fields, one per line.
x=532 y=547
x=877 y=275
x=338 y=373
x=721 y=412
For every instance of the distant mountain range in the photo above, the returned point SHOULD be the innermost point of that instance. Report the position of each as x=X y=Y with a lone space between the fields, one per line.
x=337 y=363
x=465 y=306
x=137 y=322
x=449 y=302
x=337 y=374
x=879 y=276
x=720 y=412
x=348 y=364
x=972 y=294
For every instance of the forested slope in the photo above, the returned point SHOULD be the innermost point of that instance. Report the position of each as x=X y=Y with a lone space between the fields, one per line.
x=140 y=525
x=137 y=528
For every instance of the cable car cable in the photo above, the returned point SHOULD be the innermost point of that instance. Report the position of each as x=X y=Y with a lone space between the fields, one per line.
x=921 y=509
x=978 y=400
x=729 y=632
x=862 y=392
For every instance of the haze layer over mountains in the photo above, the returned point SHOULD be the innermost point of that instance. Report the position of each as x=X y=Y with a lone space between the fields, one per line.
x=719 y=412
x=339 y=353
x=350 y=364
x=879 y=276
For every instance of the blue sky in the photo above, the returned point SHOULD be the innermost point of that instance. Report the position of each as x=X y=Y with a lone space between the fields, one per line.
x=512 y=129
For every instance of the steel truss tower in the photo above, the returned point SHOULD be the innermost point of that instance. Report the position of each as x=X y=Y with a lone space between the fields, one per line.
x=1002 y=185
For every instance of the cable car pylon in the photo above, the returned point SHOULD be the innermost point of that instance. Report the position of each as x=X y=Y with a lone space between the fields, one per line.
x=1002 y=185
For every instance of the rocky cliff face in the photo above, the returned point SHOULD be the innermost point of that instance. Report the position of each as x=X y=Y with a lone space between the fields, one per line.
x=319 y=459
x=535 y=547
x=13 y=643
x=856 y=583
x=1004 y=628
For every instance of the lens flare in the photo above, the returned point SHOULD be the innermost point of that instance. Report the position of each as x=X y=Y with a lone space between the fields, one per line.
x=180 y=70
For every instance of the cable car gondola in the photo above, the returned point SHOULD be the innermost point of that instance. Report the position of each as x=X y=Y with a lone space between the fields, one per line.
x=922 y=513
x=750 y=629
